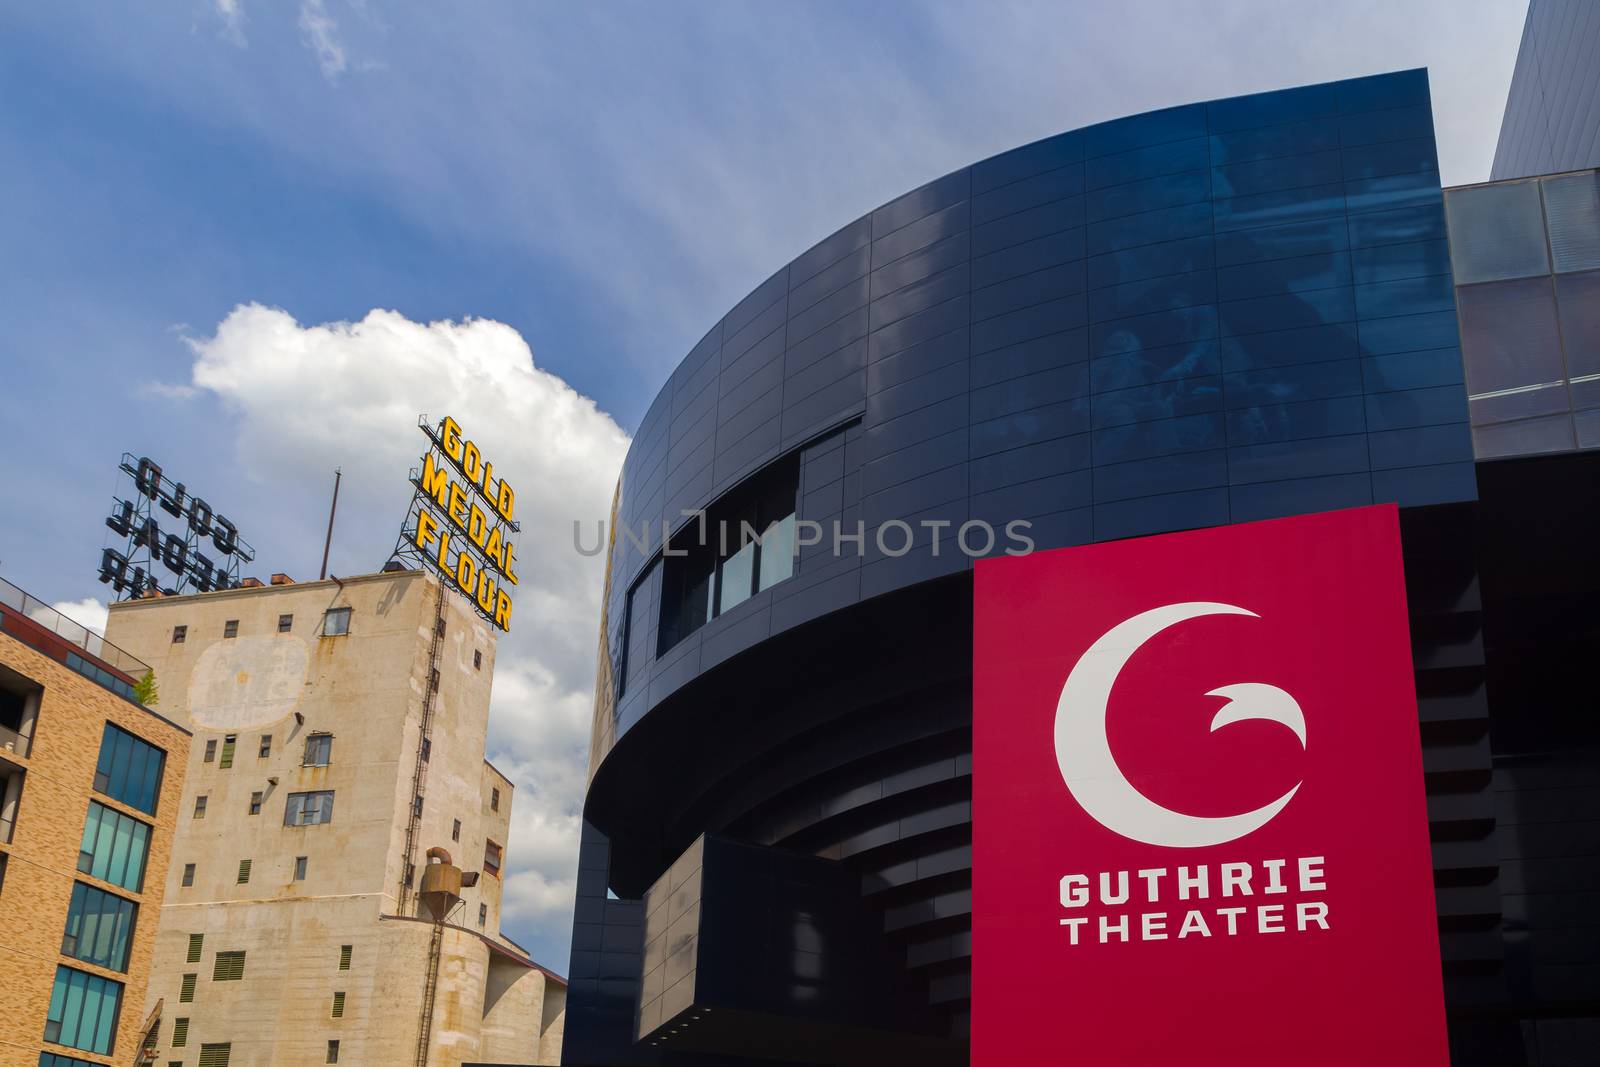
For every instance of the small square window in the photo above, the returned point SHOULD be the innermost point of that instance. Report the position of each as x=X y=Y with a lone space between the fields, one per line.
x=333 y=1052
x=255 y=803
x=483 y=914
x=494 y=800
x=200 y=806
x=230 y=628
x=336 y=622
x=188 y=874
x=477 y=660
x=319 y=750
x=179 y=634
x=455 y=830
x=211 y=751
x=266 y=747
x=285 y=623
x=300 y=868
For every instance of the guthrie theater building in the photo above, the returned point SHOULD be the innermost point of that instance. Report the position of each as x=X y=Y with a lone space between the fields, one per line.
x=1203 y=316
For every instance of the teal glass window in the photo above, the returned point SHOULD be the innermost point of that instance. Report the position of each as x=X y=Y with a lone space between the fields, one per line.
x=83 y=1011
x=52 y=1059
x=129 y=769
x=114 y=847
x=99 y=928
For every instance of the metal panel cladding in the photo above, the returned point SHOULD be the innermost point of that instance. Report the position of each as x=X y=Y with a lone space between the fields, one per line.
x=1208 y=314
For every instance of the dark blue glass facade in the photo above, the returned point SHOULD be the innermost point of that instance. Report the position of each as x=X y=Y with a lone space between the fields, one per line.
x=1208 y=314
x=1203 y=315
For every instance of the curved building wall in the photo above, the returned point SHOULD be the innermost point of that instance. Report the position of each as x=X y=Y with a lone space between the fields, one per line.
x=1207 y=314
x=1196 y=316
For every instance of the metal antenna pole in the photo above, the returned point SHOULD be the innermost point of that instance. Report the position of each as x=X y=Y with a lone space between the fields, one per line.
x=327 y=544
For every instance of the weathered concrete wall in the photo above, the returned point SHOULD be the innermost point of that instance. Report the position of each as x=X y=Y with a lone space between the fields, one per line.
x=368 y=690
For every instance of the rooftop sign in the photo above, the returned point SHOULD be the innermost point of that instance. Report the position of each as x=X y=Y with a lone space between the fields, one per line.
x=461 y=520
x=197 y=548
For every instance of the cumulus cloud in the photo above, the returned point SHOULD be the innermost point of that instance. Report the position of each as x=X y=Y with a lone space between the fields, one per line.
x=305 y=398
x=89 y=613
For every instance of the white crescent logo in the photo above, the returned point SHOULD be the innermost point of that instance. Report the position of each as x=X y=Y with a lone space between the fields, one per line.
x=1084 y=753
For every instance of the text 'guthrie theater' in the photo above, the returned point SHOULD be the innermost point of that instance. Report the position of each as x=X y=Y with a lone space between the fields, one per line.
x=1185 y=320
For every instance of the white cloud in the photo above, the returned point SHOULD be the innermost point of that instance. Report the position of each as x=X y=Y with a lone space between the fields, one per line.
x=88 y=612
x=307 y=398
x=320 y=33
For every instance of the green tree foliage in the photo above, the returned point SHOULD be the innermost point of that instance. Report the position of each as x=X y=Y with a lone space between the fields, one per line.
x=145 y=689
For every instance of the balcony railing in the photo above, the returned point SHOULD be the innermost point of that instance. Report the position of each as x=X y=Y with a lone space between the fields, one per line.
x=38 y=623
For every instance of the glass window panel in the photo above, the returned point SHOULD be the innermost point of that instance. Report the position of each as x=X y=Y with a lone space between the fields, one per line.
x=1321 y=270
x=1152 y=127
x=1572 y=211
x=1169 y=158
x=736 y=577
x=1382 y=263
x=1150 y=227
x=129 y=770
x=1150 y=365
x=1405 y=296
x=1409 y=333
x=1418 y=222
x=1153 y=294
x=1142 y=440
x=1416 y=407
x=1525 y=437
x=1520 y=403
x=777 y=552
x=1270 y=109
x=83 y=1011
x=1165 y=400
x=1393 y=191
x=1153 y=331
x=1131 y=198
x=1150 y=261
x=1283 y=241
x=1281 y=348
x=1290 y=139
x=1496 y=232
x=1147 y=515
x=1283 y=172
x=1164 y=474
x=1412 y=370
x=99 y=928
x=1282 y=385
x=1288 y=310
x=1412 y=156
x=1288 y=422
x=1579 y=298
x=1509 y=338
x=1276 y=208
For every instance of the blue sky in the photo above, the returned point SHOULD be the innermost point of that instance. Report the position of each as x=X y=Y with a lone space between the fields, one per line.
x=603 y=179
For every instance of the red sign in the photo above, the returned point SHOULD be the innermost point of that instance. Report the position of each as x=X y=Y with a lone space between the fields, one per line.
x=1199 y=830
